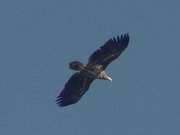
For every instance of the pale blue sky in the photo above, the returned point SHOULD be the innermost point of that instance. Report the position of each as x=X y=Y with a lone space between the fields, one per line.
x=39 y=37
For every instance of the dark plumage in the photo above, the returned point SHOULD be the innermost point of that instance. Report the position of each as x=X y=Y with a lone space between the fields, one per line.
x=80 y=81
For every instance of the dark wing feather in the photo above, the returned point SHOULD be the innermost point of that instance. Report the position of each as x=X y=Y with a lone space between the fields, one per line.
x=109 y=51
x=74 y=89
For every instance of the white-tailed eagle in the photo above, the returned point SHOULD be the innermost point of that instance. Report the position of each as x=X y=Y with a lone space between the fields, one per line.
x=80 y=81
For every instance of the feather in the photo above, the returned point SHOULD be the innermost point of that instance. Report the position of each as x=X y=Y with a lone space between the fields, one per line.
x=74 y=89
x=109 y=51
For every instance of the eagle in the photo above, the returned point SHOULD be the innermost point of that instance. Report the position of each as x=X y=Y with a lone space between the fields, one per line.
x=85 y=74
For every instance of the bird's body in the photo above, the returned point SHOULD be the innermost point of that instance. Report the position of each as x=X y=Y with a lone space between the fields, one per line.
x=79 y=82
x=91 y=71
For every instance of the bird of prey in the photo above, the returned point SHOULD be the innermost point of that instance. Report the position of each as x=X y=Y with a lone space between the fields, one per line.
x=80 y=81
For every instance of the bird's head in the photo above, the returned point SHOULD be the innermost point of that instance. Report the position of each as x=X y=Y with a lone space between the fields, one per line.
x=76 y=65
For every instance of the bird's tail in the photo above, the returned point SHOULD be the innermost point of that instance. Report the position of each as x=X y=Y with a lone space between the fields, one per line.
x=76 y=65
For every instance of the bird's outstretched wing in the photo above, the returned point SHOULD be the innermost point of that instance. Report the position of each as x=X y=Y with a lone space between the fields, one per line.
x=109 y=51
x=74 y=89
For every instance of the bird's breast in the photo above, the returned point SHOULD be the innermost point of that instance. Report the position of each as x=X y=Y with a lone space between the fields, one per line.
x=91 y=71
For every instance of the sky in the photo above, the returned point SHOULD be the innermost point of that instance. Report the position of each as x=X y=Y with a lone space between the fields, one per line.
x=38 y=38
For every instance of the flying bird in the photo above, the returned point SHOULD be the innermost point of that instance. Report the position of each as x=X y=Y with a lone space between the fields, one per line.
x=80 y=81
